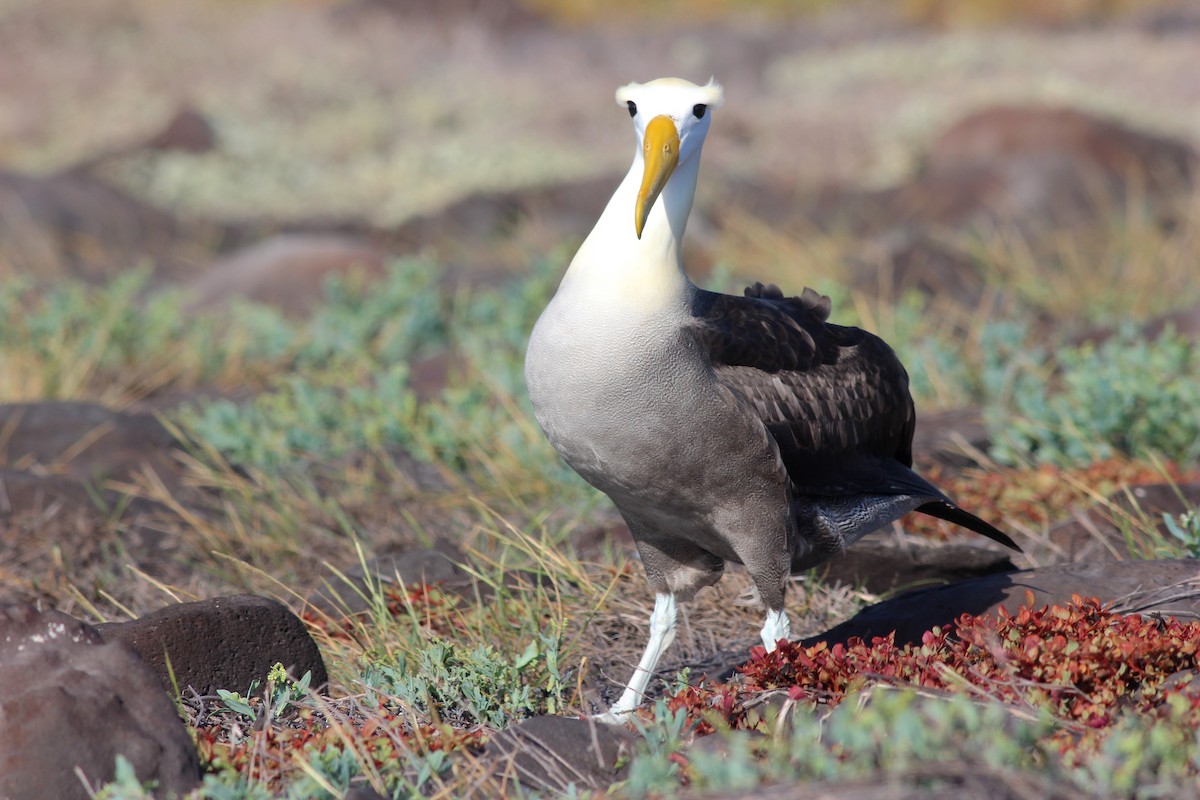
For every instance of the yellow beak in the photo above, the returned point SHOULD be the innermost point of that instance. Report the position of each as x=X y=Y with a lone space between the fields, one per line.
x=661 y=151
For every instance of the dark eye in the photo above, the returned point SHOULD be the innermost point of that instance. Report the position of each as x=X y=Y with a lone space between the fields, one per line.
x=632 y=108
x=699 y=110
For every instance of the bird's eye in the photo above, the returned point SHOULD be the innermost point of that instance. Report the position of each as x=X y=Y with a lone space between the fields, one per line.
x=632 y=108
x=699 y=110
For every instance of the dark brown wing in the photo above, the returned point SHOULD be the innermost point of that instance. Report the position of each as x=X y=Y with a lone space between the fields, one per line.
x=835 y=398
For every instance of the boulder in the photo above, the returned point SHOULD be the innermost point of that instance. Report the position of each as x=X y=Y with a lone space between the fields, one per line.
x=70 y=703
x=287 y=271
x=75 y=224
x=221 y=643
x=1120 y=152
x=84 y=441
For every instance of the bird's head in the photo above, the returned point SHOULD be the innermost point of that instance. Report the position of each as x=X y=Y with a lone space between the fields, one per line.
x=671 y=117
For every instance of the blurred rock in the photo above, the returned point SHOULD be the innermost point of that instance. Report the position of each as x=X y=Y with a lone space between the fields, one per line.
x=950 y=438
x=85 y=441
x=221 y=643
x=488 y=235
x=1156 y=163
x=905 y=260
x=1028 y=192
x=188 y=131
x=60 y=463
x=497 y=15
x=287 y=271
x=71 y=701
x=553 y=754
x=76 y=225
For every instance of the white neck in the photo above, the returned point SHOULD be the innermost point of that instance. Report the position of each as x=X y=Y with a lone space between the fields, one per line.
x=614 y=266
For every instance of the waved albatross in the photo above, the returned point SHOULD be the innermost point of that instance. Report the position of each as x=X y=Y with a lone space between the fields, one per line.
x=745 y=429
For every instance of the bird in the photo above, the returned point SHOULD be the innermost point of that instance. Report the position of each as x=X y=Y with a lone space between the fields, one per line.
x=725 y=429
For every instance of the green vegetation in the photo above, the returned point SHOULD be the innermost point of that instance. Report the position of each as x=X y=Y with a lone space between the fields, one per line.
x=1128 y=395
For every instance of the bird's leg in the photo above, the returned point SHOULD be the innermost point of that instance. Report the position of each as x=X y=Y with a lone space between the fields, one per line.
x=662 y=633
x=777 y=627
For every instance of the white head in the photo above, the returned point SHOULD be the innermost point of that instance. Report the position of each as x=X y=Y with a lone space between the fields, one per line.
x=671 y=119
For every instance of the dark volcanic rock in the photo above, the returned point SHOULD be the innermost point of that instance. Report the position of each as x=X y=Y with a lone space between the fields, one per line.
x=553 y=753
x=188 y=131
x=222 y=643
x=287 y=271
x=83 y=440
x=69 y=700
x=1165 y=587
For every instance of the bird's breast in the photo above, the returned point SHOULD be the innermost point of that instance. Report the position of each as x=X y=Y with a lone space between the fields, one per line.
x=633 y=407
x=610 y=391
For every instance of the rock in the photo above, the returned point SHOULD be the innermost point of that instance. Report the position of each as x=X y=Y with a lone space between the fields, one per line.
x=950 y=438
x=287 y=271
x=75 y=224
x=498 y=16
x=1165 y=587
x=1098 y=532
x=905 y=260
x=1119 y=152
x=84 y=441
x=475 y=236
x=188 y=131
x=550 y=754
x=71 y=701
x=222 y=643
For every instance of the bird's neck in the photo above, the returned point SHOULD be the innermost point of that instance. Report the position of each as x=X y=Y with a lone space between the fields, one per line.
x=614 y=265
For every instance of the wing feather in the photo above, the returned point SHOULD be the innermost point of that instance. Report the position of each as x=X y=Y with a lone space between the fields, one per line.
x=835 y=398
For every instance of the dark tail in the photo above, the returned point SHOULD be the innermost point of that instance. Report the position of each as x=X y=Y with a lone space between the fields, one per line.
x=952 y=513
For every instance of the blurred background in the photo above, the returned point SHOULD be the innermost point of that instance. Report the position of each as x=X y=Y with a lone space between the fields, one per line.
x=191 y=127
